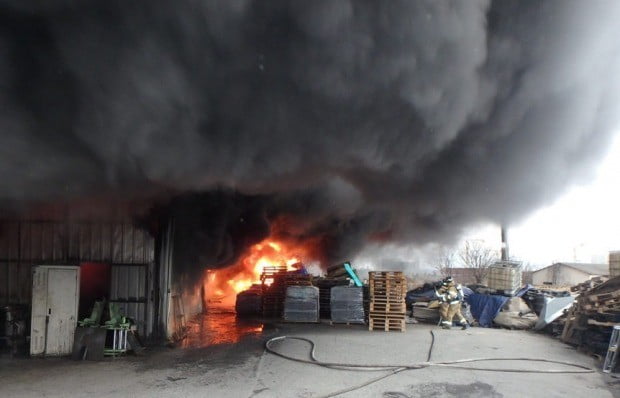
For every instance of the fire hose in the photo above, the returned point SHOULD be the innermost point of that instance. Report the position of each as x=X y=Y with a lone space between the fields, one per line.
x=397 y=368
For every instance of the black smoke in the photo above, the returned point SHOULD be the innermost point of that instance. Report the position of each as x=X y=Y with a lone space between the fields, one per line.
x=358 y=120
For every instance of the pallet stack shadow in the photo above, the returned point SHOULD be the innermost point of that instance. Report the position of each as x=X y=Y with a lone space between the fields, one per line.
x=325 y=286
x=387 y=301
x=589 y=323
x=347 y=304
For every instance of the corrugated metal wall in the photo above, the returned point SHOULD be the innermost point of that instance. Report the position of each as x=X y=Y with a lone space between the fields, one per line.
x=129 y=288
x=129 y=250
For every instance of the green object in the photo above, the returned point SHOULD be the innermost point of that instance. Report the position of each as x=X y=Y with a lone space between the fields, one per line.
x=95 y=316
x=117 y=320
x=118 y=328
x=353 y=275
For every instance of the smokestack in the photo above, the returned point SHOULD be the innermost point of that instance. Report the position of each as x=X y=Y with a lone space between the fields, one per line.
x=505 y=253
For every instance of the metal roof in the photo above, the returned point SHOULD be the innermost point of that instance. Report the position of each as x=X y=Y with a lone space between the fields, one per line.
x=587 y=268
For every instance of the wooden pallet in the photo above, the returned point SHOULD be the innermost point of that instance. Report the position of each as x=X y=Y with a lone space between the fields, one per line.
x=393 y=296
x=388 y=306
x=388 y=286
x=588 y=285
x=387 y=295
x=385 y=274
x=386 y=324
x=603 y=296
x=387 y=281
x=386 y=315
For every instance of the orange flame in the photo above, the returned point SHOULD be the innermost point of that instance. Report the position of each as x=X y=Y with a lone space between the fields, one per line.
x=222 y=286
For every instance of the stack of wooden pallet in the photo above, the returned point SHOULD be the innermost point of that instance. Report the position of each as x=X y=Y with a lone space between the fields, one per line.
x=295 y=279
x=589 y=284
x=387 y=301
x=275 y=280
x=590 y=321
x=274 y=291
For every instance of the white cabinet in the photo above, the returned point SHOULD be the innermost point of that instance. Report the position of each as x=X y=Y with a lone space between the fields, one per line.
x=55 y=299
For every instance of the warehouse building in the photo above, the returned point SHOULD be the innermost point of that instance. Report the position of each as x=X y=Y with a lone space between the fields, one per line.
x=568 y=274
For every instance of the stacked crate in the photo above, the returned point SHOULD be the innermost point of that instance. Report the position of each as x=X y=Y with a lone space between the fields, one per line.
x=347 y=304
x=504 y=277
x=387 y=301
x=301 y=304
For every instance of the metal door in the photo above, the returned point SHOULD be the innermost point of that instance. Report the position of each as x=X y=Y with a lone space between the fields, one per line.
x=55 y=297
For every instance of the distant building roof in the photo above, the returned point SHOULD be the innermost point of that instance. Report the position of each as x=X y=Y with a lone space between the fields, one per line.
x=590 y=269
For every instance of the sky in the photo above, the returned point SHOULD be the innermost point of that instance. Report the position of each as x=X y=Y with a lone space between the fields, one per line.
x=582 y=225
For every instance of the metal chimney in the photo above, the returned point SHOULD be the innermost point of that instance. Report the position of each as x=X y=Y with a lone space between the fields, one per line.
x=505 y=254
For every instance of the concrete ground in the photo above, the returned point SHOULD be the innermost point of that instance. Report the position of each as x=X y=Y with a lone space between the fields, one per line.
x=243 y=369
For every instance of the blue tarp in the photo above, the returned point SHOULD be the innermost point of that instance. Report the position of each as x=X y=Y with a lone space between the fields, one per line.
x=485 y=307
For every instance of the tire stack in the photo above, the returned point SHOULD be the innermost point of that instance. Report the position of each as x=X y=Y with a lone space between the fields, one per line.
x=387 y=301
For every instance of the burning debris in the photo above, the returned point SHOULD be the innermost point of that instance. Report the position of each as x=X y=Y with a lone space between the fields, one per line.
x=223 y=285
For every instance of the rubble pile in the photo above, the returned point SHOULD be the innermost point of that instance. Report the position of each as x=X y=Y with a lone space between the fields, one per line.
x=590 y=321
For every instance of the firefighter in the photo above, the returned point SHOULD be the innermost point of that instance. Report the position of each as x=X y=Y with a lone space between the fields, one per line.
x=450 y=297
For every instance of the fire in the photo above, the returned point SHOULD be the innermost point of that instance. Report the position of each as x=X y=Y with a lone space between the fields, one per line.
x=223 y=285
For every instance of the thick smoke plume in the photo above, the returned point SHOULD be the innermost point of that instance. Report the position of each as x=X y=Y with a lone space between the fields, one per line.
x=354 y=120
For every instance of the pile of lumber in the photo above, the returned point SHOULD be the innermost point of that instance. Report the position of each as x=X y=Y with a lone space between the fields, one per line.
x=337 y=272
x=589 y=284
x=590 y=321
x=387 y=301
